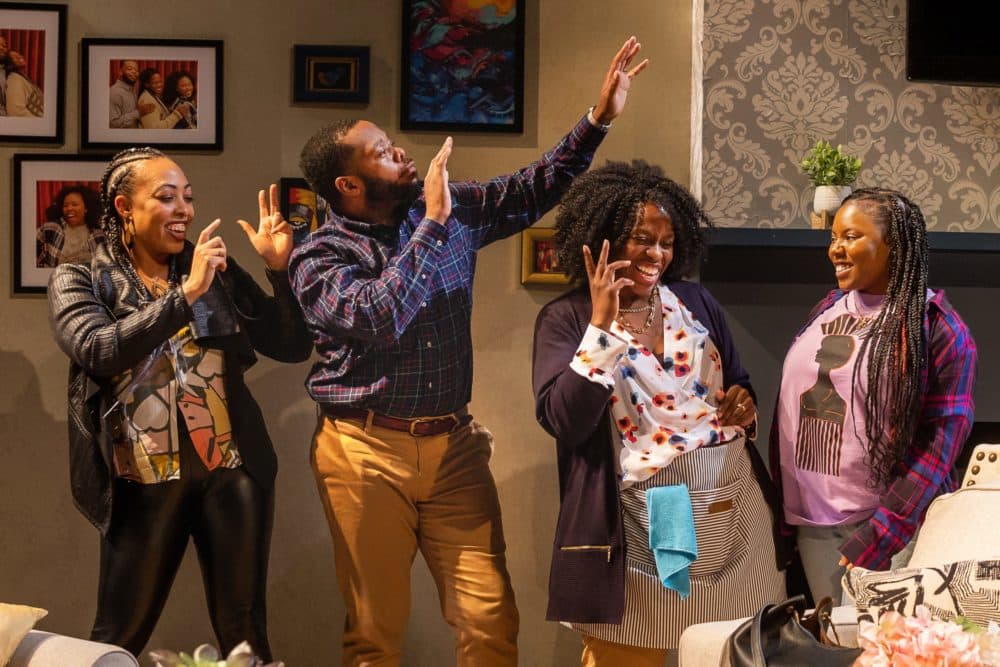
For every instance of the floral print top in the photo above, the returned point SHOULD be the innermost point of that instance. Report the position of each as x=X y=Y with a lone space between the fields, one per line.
x=661 y=407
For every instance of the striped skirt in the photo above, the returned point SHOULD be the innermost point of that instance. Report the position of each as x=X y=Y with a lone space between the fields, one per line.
x=734 y=574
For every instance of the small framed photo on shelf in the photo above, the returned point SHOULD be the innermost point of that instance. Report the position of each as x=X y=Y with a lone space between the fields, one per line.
x=539 y=258
x=151 y=92
x=33 y=60
x=463 y=66
x=56 y=215
x=304 y=210
x=331 y=74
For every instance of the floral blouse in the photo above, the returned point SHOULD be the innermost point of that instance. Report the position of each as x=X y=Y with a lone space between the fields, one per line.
x=661 y=407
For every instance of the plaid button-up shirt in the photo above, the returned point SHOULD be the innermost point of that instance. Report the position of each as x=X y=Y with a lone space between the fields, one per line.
x=946 y=418
x=390 y=308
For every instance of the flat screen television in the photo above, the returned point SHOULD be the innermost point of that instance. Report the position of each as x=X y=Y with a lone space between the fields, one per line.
x=956 y=42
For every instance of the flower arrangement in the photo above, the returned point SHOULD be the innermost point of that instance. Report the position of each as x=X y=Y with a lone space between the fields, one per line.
x=826 y=165
x=207 y=655
x=924 y=641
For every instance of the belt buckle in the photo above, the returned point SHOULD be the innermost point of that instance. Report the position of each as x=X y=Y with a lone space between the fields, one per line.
x=420 y=420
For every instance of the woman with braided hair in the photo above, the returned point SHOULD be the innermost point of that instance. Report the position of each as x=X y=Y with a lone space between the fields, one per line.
x=876 y=397
x=636 y=376
x=166 y=442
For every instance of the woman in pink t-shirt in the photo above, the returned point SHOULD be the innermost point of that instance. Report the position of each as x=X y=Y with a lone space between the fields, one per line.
x=876 y=396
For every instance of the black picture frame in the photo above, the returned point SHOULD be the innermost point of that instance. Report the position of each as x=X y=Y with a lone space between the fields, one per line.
x=39 y=30
x=199 y=61
x=469 y=79
x=39 y=179
x=338 y=74
x=304 y=210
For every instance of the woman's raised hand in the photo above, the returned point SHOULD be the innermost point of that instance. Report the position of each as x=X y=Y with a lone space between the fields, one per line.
x=604 y=285
x=273 y=238
x=209 y=257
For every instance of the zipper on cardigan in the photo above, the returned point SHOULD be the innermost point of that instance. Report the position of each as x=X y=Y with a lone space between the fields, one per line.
x=590 y=547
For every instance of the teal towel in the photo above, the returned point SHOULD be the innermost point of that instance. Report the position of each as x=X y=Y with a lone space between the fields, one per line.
x=671 y=535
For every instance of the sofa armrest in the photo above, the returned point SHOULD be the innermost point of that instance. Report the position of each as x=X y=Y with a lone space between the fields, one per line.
x=45 y=649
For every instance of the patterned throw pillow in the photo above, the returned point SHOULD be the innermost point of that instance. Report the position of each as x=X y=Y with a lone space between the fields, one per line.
x=967 y=588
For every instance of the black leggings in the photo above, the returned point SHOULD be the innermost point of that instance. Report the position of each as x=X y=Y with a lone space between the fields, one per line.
x=230 y=518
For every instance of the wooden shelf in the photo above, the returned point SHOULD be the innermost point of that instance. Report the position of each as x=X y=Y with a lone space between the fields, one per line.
x=958 y=259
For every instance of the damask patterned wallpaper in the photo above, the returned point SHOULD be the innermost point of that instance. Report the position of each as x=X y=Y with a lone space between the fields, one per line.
x=777 y=75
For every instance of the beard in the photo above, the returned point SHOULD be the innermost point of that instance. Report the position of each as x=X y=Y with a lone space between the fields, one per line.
x=399 y=195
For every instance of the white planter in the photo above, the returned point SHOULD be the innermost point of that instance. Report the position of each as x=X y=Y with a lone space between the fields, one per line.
x=829 y=197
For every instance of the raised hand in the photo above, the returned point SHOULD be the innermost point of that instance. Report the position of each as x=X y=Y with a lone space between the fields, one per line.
x=273 y=238
x=436 y=190
x=209 y=257
x=617 y=82
x=736 y=407
x=604 y=286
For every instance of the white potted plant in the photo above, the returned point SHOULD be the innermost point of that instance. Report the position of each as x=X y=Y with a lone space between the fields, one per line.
x=832 y=171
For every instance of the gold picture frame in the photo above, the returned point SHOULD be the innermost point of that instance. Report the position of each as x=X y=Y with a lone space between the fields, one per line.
x=539 y=260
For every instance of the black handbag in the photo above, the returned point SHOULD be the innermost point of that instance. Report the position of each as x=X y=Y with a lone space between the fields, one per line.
x=776 y=637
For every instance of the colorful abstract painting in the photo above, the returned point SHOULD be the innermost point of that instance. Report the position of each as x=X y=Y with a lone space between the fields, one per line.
x=463 y=65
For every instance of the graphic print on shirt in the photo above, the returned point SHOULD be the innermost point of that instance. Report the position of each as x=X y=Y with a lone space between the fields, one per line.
x=181 y=380
x=822 y=411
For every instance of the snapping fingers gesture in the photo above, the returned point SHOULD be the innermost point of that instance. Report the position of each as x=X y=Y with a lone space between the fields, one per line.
x=604 y=285
x=272 y=239
x=209 y=256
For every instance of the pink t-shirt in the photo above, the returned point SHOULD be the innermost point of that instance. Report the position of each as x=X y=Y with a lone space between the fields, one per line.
x=821 y=422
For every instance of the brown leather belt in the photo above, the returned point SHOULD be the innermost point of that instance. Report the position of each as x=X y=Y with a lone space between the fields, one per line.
x=416 y=426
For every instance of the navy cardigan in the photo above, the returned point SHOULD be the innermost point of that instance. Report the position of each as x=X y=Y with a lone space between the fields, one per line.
x=588 y=585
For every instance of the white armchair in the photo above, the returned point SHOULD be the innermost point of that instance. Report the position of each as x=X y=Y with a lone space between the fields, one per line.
x=45 y=649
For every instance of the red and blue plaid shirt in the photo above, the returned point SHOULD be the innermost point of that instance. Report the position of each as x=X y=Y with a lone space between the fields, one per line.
x=390 y=308
x=945 y=422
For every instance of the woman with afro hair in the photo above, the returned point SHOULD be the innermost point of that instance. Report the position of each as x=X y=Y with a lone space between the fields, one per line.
x=636 y=376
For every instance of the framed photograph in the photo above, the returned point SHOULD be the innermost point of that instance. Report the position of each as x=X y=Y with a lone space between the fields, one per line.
x=33 y=72
x=151 y=92
x=539 y=259
x=301 y=207
x=331 y=74
x=56 y=215
x=463 y=66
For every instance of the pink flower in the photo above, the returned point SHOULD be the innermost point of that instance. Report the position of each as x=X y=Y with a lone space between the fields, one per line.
x=920 y=641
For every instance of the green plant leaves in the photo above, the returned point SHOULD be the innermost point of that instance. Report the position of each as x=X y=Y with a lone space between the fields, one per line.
x=826 y=165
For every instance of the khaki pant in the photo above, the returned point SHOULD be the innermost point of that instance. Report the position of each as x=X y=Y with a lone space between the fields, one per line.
x=600 y=653
x=387 y=493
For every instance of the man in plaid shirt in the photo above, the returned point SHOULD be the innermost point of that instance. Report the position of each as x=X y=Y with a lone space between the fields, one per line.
x=386 y=288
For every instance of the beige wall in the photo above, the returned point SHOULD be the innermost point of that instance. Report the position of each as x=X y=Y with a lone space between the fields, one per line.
x=48 y=552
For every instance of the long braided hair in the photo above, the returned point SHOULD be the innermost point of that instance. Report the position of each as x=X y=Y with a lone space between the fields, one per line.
x=896 y=348
x=120 y=179
x=604 y=203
